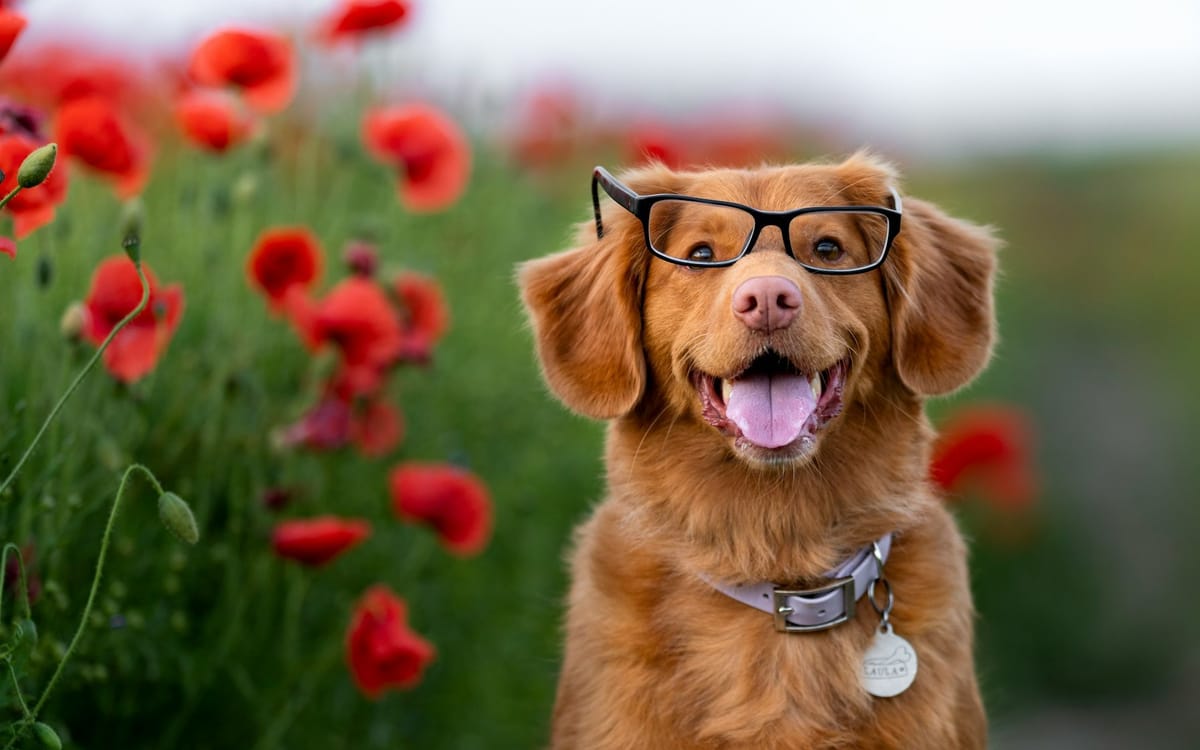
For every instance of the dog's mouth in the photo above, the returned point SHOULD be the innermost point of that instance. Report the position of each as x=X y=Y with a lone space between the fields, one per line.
x=772 y=407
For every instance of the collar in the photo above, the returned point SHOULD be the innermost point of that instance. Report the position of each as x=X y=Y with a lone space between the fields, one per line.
x=821 y=608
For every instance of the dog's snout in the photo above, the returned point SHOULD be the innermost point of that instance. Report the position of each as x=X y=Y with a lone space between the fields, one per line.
x=766 y=303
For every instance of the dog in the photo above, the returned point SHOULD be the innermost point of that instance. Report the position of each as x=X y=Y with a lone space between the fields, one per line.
x=762 y=362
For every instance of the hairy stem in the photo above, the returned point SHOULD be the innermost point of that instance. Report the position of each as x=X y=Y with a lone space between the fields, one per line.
x=4 y=201
x=12 y=671
x=82 y=373
x=87 y=607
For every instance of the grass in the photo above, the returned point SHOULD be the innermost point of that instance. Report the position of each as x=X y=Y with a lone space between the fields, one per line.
x=226 y=646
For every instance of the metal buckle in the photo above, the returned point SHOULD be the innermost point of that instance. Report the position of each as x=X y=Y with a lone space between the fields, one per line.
x=782 y=610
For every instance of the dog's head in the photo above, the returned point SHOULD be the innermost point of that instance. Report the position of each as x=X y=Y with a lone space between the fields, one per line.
x=763 y=356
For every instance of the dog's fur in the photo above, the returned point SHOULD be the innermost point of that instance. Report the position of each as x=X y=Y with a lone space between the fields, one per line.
x=655 y=657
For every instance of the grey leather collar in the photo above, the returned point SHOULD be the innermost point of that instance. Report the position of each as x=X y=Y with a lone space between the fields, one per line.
x=821 y=608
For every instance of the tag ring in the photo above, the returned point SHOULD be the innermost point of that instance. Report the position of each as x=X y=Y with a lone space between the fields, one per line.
x=886 y=609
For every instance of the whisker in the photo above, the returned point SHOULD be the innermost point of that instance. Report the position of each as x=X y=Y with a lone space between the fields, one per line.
x=646 y=434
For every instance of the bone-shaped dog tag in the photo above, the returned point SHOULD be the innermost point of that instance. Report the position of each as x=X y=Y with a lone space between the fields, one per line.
x=889 y=665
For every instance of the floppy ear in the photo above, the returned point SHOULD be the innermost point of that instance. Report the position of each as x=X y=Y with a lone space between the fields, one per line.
x=585 y=305
x=940 y=293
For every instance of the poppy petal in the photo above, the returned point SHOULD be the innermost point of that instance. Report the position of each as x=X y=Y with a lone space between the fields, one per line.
x=450 y=499
x=428 y=148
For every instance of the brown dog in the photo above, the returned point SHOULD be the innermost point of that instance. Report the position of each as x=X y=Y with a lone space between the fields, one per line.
x=767 y=426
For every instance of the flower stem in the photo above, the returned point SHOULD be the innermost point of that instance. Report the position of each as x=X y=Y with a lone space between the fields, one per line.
x=4 y=201
x=82 y=373
x=12 y=671
x=87 y=607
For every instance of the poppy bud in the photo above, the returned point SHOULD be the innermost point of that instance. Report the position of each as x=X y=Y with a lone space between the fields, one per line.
x=72 y=321
x=47 y=736
x=177 y=517
x=361 y=258
x=36 y=167
x=26 y=632
x=45 y=271
x=245 y=188
x=131 y=229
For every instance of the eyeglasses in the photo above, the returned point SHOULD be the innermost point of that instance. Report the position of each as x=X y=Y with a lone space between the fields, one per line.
x=708 y=233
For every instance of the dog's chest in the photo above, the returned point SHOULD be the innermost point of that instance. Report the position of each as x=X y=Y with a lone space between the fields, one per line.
x=732 y=664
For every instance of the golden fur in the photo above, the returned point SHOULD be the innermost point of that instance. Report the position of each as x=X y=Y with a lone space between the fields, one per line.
x=655 y=657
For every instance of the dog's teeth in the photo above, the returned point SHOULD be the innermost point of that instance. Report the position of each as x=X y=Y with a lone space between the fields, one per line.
x=815 y=383
x=726 y=389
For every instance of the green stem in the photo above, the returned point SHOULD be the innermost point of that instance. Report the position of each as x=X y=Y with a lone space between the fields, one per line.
x=4 y=201
x=299 y=697
x=82 y=373
x=12 y=671
x=87 y=608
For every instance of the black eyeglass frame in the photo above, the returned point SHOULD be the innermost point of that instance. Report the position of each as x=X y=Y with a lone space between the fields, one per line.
x=640 y=205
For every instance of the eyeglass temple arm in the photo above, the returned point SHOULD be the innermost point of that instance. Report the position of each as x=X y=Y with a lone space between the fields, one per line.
x=623 y=196
x=896 y=200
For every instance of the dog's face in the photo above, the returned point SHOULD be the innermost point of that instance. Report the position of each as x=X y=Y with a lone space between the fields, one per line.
x=763 y=356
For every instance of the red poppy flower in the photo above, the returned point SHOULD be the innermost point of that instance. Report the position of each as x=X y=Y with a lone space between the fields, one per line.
x=91 y=130
x=33 y=207
x=427 y=315
x=378 y=428
x=987 y=446
x=259 y=63
x=21 y=119
x=284 y=259
x=355 y=18
x=450 y=499
x=382 y=651
x=11 y=26
x=316 y=541
x=547 y=128
x=212 y=120
x=8 y=247
x=276 y=498
x=49 y=74
x=649 y=142
x=325 y=427
x=357 y=317
x=427 y=146
x=114 y=293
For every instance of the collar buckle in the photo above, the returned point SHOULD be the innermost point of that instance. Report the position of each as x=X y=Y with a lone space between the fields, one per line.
x=783 y=607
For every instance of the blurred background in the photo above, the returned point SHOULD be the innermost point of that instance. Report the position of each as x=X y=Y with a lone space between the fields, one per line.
x=1074 y=131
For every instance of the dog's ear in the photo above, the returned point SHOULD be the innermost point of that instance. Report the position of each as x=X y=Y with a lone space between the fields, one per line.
x=585 y=305
x=939 y=279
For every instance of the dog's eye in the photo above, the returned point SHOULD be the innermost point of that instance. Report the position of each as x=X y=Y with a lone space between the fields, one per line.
x=828 y=251
x=702 y=253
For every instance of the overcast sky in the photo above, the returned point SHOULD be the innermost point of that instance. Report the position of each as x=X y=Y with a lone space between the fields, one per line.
x=924 y=74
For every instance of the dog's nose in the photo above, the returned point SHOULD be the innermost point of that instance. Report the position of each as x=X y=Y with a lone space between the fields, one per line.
x=766 y=303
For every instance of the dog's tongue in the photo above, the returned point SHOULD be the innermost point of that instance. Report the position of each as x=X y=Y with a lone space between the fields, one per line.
x=770 y=409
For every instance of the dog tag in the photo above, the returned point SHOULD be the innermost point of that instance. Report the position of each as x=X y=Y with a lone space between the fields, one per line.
x=890 y=664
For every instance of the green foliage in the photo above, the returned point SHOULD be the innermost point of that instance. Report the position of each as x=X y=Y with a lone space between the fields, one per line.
x=223 y=645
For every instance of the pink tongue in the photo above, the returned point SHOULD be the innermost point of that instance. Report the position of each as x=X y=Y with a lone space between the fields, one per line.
x=771 y=409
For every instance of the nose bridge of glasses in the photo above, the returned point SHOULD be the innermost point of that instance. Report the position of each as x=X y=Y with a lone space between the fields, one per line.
x=765 y=239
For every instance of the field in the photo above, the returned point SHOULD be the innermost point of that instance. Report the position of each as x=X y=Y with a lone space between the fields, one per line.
x=224 y=644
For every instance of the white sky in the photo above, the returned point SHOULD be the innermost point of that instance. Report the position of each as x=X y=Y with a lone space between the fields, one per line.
x=928 y=75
